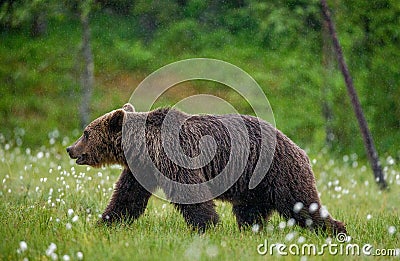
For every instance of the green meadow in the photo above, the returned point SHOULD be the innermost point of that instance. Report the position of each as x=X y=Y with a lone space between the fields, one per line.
x=49 y=206
x=49 y=210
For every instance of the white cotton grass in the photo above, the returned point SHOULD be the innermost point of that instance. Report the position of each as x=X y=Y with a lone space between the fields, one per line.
x=289 y=237
x=212 y=251
x=323 y=212
x=301 y=240
x=23 y=246
x=282 y=225
x=392 y=230
x=313 y=207
x=51 y=249
x=297 y=207
x=54 y=256
x=291 y=222
x=255 y=228
x=75 y=218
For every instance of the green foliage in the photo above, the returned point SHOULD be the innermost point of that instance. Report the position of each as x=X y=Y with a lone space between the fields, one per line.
x=278 y=42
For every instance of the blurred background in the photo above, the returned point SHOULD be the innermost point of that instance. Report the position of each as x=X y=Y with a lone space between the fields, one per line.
x=284 y=45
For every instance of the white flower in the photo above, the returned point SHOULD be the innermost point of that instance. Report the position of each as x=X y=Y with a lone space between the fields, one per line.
x=79 y=255
x=50 y=250
x=70 y=212
x=301 y=240
x=212 y=251
x=282 y=225
x=323 y=212
x=297 y=207
x=75 y=218
x=391 y=230
x=290 y=236
x=255 y=228
x=313 y=207
x=23 y=246
x=291 y=222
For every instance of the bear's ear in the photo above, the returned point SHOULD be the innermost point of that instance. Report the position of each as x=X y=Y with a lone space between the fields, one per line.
x=116 y=121
x=128 y=107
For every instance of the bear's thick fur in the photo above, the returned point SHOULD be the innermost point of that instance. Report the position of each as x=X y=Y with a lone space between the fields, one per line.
x=288 y=186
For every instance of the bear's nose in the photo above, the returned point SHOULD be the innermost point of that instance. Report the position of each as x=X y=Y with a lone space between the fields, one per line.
x=68 y=149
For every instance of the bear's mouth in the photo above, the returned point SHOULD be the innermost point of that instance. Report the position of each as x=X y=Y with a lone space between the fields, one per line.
x=80 y=160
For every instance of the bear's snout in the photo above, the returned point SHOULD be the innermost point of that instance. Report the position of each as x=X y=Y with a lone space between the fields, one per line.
x=81 y=158
x=71 y=152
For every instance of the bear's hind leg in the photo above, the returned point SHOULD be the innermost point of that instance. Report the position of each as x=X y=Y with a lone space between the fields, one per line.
x=310 y=215
x=128 y=201
x=199 y=215
x=249 y=215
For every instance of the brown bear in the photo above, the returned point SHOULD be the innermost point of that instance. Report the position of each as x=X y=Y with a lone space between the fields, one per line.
x=287 y=186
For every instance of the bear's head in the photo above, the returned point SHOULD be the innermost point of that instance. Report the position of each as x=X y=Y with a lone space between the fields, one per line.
x=101 y=142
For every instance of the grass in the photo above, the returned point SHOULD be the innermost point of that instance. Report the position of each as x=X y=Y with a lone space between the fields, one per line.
x=52 y=205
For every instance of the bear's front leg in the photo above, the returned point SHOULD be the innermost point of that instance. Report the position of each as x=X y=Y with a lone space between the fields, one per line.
x=128 y=201
x=249 y=215
x=200 y=215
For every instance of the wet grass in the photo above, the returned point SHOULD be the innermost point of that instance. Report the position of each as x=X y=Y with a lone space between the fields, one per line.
x=49 y=207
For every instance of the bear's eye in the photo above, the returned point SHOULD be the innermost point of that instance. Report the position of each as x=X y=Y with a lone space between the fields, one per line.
x=86 y=135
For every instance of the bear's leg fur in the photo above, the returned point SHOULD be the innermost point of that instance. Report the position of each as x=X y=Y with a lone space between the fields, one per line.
x=128 y=201
x=314 y=220
x=199 y=215
x=307 y=216
x=248 y=215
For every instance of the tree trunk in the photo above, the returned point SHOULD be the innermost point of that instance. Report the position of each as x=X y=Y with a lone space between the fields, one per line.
x=88 y=71
x=328 y=67
x=39 y=24
x=368 y=141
